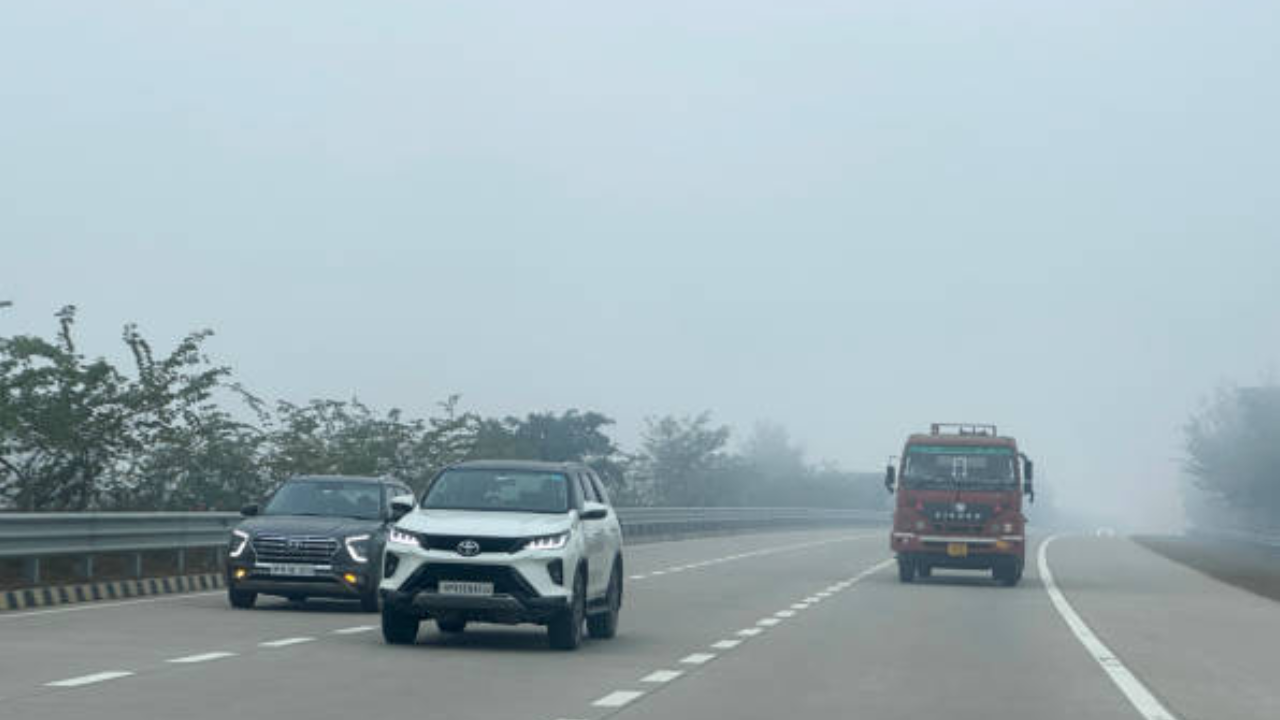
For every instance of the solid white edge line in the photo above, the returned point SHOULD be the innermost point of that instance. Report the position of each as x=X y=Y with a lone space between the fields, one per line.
x=94 y=605
x=618 y=698
x=203 y=657
x=1134 y=691
x=354 y=630
x=89 y=679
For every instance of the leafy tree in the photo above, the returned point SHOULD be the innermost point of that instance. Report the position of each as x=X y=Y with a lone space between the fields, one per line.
x=682 y=462
x=1233 y=449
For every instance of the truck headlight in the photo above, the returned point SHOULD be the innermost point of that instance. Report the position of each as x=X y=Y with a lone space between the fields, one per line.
x=239 y=541
x=547 y=542
x=358 y=548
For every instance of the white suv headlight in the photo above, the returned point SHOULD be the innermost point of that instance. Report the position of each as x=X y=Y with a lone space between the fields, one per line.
x=400 y=537
x=239 y=541
x=357 y=547
x=547 y=542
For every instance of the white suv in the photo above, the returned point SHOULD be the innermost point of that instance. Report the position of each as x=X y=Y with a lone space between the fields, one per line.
x=505 y=542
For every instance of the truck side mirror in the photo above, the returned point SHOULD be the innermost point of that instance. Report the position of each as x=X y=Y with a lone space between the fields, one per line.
x=1029 y=469
x=890 y=478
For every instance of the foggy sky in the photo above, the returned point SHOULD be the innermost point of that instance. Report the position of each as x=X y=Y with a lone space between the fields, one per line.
x=851 y=218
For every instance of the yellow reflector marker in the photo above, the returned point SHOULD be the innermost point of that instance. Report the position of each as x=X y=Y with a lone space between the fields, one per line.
x=350 y=577
x=1002 y=545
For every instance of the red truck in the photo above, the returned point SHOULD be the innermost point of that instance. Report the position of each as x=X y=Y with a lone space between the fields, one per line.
x=959 y=502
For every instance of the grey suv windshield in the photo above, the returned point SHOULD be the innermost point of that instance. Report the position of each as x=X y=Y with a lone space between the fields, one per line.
x=950 y=465
x=499 y=490
x=327 y=498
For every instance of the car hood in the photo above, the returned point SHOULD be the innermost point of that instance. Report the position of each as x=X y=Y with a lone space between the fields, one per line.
x=308 y=525
x=485 y=524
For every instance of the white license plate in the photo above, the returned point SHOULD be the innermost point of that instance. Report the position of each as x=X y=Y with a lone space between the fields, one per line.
x=458 y=587
x=288 y=569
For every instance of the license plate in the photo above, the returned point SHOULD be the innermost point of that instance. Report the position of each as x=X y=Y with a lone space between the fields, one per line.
x=288 y=569
x=459 y=587
x=957 y=550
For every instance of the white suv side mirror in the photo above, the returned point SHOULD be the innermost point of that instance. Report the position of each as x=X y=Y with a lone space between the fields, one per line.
x=593 y=511
x=401 y=505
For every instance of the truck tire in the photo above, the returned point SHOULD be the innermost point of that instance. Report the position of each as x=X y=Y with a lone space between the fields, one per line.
x=604 y=625
x=399 y=628
x=924 y=571
x=906 y=569
x=241 y=599
x=1007 y=573
x=565 y=631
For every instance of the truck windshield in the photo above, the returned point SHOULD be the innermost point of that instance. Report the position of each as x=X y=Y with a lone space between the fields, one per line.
x=499 y=490
x=951 y=466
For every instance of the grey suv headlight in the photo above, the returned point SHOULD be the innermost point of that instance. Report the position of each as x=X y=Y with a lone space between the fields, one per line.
x=547 y=542
x=358 y=547
x=239 y=541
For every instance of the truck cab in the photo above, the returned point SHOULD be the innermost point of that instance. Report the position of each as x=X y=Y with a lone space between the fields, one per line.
x=960 y=491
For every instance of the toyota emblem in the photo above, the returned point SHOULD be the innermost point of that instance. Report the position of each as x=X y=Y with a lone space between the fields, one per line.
x=468 y=548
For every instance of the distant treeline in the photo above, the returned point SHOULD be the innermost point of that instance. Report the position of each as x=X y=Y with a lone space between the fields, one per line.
x=1233 y=450
x=83 y=434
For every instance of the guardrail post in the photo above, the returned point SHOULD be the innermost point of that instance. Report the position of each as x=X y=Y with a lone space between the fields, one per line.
x=182 y=561
x=84 y=567
x=135 y=561
x=31 y=570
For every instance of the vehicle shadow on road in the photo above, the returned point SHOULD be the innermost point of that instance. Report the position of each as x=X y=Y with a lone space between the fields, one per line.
x=312 y=606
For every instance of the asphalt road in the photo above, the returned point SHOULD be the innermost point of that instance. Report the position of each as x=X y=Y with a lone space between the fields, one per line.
x=769 y=626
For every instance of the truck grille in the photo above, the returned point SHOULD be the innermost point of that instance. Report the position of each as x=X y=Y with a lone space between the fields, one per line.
x=295 y=549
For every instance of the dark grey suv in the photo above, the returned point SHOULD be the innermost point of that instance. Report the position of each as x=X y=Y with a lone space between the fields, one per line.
x=318 y=536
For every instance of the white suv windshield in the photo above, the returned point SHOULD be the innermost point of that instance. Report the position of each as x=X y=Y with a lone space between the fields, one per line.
x=499 y=490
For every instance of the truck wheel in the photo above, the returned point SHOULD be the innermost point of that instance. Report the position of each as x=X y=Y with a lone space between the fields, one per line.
x=565 y=631
x=1008 y=573
x=398 y=628
x=605 y=625
x=241 y=599
x=906 y=569
x=924 y=571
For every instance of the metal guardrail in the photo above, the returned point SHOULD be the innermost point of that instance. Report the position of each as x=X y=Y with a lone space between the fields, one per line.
x=31 y=537
x=1244 y=536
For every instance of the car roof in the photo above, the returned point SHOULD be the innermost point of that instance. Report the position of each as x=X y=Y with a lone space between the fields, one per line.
x=534 y=465
x=346 y=478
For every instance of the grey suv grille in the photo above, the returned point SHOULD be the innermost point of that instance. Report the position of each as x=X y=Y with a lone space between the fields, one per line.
x=295 y=549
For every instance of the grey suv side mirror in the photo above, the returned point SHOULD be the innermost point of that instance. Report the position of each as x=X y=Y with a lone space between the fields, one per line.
x=249 y=510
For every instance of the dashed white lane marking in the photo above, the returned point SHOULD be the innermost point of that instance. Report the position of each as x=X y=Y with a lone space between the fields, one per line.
x=618 y=698
x=354 y=630
x=285 y=642
x=637 y=577
x=203 y=657
x=655 y=573
x=750 y=632
x=785 y=613
x=1134 y=691
x=698 y=658
x=768 y=622
x=661 y=676
x=823 y=594
x=726 y=644
x=90 y=679
x=800 y=606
